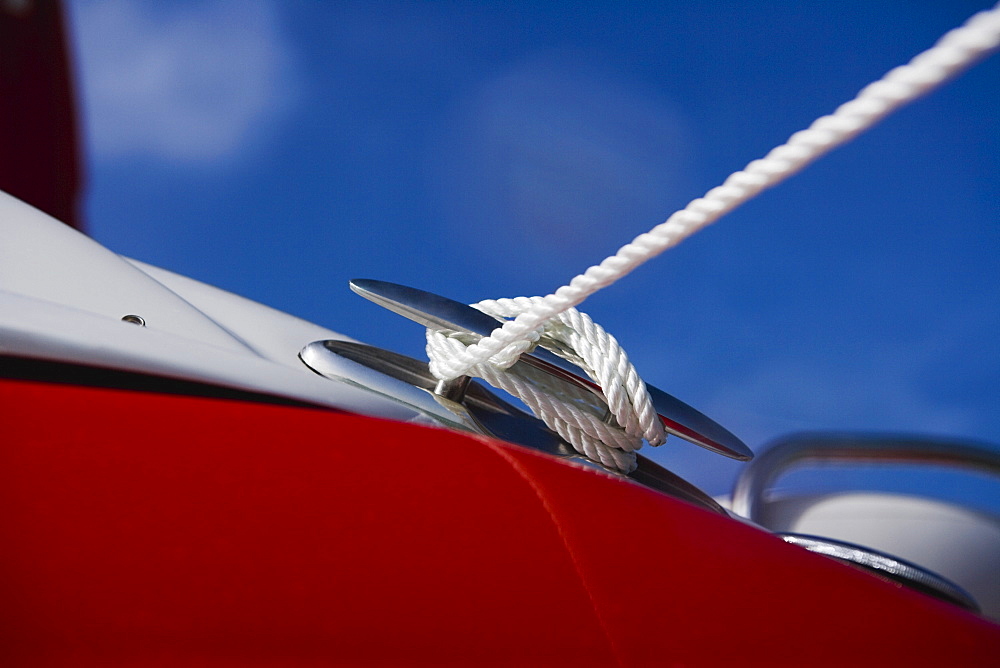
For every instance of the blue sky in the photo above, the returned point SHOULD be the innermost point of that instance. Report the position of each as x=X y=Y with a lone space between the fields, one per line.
x=496 y=149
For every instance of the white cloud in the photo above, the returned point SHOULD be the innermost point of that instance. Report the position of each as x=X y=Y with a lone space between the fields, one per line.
x=189 y=83
x=560 y=157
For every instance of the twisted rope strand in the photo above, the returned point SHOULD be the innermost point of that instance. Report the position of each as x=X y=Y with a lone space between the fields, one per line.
x=574 y=412
x=574 y=336
x=954 y=52
x=571 y=414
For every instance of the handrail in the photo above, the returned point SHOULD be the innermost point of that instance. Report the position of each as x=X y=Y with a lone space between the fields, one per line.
x=797 y=449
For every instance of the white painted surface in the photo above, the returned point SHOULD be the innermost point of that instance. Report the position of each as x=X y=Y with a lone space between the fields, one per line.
x=960 y=544
x=62 y=297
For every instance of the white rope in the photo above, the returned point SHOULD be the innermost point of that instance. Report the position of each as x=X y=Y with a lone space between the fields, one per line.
x=575 y=413
x=574 y=336
x=954 y=52
x=552 y=321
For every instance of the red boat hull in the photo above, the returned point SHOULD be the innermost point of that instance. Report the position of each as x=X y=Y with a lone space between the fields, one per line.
x=143 y=528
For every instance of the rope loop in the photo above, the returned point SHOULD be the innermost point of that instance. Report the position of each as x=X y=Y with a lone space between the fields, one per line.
x=576 y=414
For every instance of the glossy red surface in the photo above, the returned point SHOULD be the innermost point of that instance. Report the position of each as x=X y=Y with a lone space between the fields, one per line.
x=146 y=529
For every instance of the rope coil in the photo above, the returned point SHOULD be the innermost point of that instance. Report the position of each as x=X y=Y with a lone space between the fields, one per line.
x=570 y=411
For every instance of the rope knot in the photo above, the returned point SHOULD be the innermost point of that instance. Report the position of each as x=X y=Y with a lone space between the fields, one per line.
x=608 y=431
